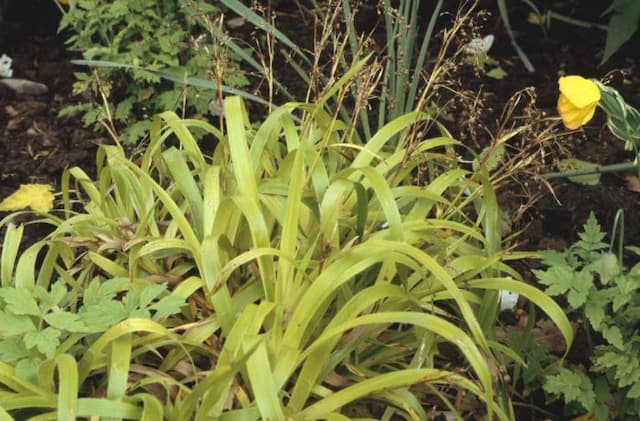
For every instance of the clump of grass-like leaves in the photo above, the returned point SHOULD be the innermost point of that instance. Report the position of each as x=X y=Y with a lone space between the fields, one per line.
x=290 y=275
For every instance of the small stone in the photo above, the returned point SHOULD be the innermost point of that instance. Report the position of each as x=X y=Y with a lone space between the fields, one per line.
x=5 y=66
x=11 y=111
x=237 y=22
x=25 y=87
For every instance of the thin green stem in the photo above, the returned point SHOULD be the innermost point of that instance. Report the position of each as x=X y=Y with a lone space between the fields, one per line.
x=598 y=169
x=576 y=22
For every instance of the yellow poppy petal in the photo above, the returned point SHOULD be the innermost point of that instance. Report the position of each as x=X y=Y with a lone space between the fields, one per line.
x=38 y=197
x=572 y=116
x=580 y=91
x=577 y=101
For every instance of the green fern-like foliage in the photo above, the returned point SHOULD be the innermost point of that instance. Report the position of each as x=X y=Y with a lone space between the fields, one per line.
x=147 y=36
x=606 y=295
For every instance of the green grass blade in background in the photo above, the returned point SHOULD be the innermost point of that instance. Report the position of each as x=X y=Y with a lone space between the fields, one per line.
x=119 y=358
x=68 y=387
x=504 y=15
x=25 y=275
x=152 y=409
x=95 y=353
x=172 y=208
x=385 y=197
x=422 y=56
x=263 y=384
x=490 y=212
x=319 y=358
x=187 y=186
x=105 y=408
x=385 y=135
x=10 y=246
x=4 y=415
x=260 y=23
x=240 y=343
x=247 y=201
x=285 y=292
x=179 y=79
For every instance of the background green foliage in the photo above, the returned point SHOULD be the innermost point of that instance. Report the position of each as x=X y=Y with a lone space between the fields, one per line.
x=155 y=35
x=606 y=295
x=624 y=19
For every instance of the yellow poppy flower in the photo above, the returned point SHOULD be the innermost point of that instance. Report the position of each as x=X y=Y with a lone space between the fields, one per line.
x=38 y=197
x=577 y=101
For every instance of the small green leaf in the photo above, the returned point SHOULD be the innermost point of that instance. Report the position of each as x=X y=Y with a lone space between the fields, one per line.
x=14 y=325
x=558 y=278
x=572 y=164
x=553 y=258
x=66 y=321
x=171 y=304
x=634 y=392
x=601 y=388
x=575 y=386
x=91 y=293
x=624 y=291
x=12 y=349
x=150 y=293
x=581 y=284
x=27 y=369
x=595 y=308
x=490 y=156
x=591 y=237
x=45 y=341
x=113 y=286
x=139 y=313
x=123 y=110
x=135 y=132
x=610 y=359
x=104 y=315
x=131 y=301
x=613 y=335
x=98 y=291
x=497 y=73
x=49 y=299
x=20 y=301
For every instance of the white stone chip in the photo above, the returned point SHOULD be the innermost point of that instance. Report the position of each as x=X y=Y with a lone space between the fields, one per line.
x=507 y=300
x=5 y=66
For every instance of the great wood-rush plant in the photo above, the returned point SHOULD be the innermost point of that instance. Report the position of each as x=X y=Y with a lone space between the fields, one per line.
x=292 y=274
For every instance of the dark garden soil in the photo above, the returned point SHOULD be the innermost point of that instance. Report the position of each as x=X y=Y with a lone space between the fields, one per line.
x=554 y=220
x=36 y=144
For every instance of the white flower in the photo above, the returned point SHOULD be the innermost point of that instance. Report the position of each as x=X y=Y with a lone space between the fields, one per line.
x=5 y=66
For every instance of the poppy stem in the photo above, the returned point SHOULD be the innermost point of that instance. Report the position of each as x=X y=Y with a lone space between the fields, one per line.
x=598 y=169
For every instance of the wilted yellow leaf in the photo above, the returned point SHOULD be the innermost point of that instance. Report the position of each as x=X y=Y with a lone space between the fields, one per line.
x=38 y=197
x=632 y=183
x=537 y=19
